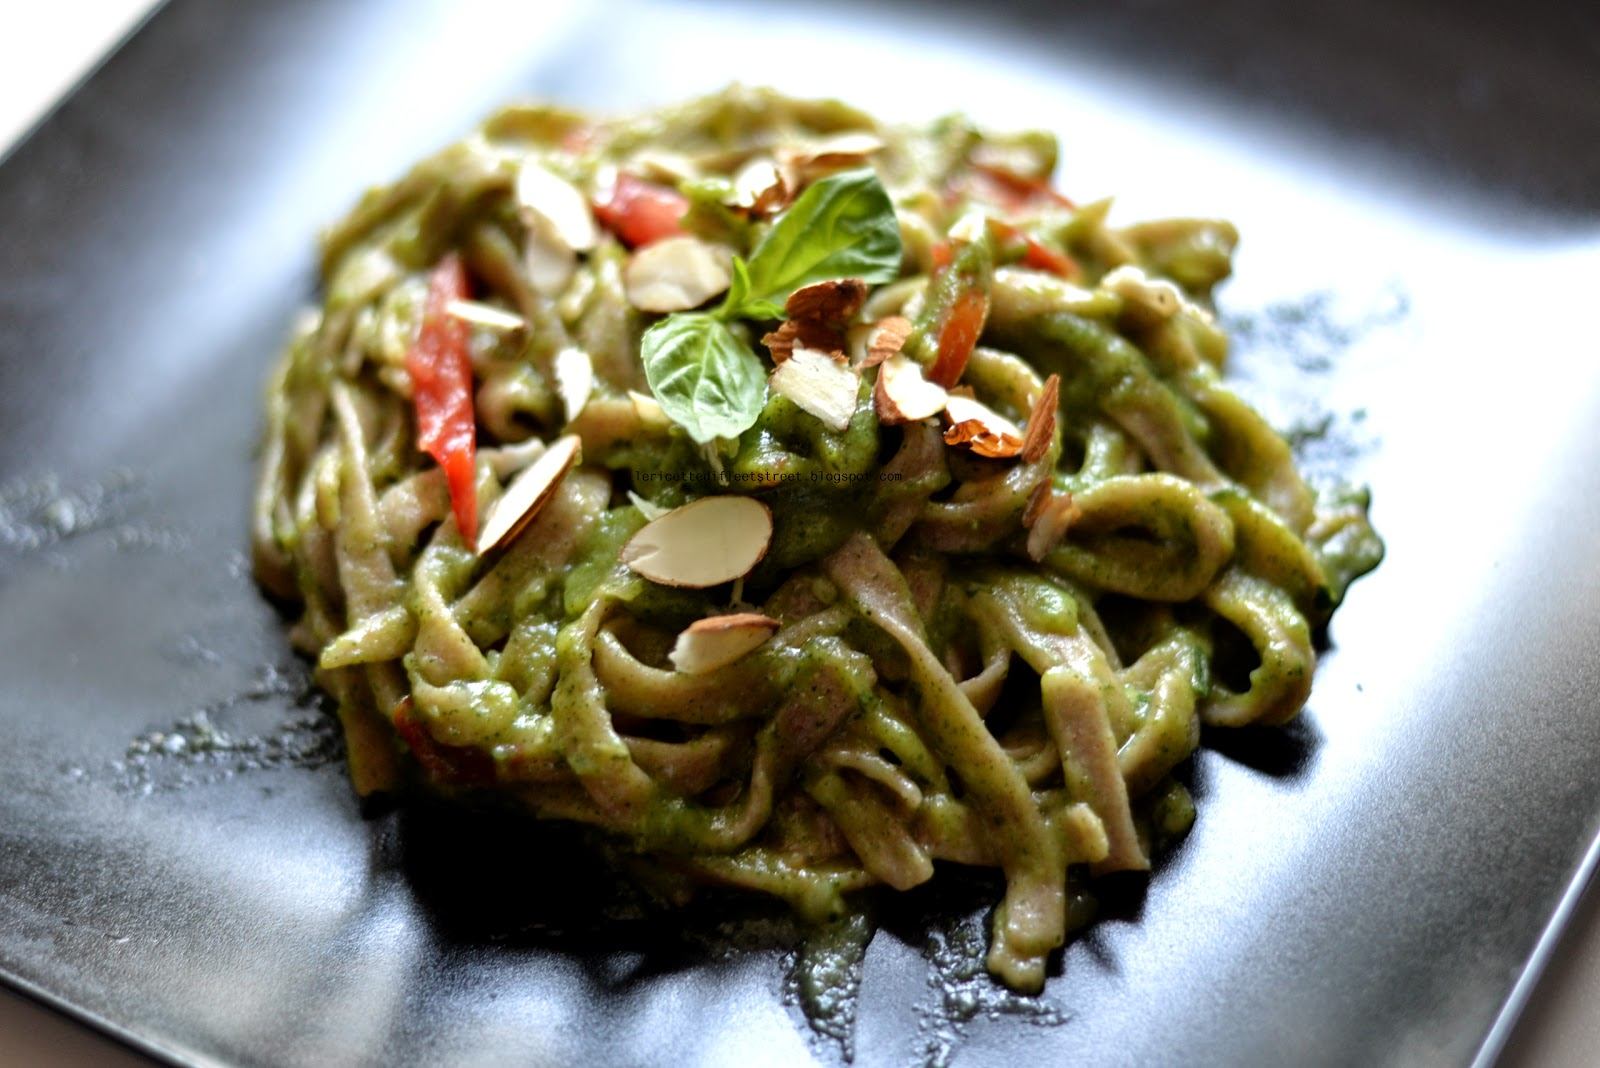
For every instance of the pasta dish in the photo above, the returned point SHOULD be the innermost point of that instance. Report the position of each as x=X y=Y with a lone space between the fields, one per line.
x=794 y=499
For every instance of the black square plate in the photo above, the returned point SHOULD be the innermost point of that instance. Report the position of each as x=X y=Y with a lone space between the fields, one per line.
x=181 y=860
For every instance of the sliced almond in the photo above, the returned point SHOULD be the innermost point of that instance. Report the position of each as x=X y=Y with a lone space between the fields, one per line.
x=832 y=303
x=819 y=383
x=1048 y=516
x=549 y=261
x=704 y=543
x=885 y=338
x=760 y=188
x=660 y=165
x=574 y=379
x=675 y=274
x=903 y=395
x=651 y=415
x=838 y=152
x=819 y=318
x=550 y=197
x=1041 y=428
x=793 y=334
x=781 y=342
x=530 y=491
x=853 y=146
x=981 y=428
x=485 y=315
x=717 y=641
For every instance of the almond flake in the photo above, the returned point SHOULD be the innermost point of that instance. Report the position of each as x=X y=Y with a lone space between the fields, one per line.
x=530 y=491
x=819 y=383
x=485 y=315
x=781 y=342
x=717 y=641
x=651 y=415
x=836 y=153
x=806 y=334
x=704 y=543
x=675 y=274
x=553 y=199
x=759 y=187
x=549 y=261
x=1048 y=516
x=981 y=428
x=819 y=317
x=903 y=395
x=832 y=303
x=885 y=339
x=660 y=165
x=853 y=146
x=574 y=379
x=1041 y=428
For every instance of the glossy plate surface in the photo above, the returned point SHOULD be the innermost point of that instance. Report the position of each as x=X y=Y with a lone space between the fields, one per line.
x=1418 y=186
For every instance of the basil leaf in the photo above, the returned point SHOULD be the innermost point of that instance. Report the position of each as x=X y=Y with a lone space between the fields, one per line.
x=737 y=304
x=709 y=382
x=841 y=227
x=705 y=379
x=738 y=290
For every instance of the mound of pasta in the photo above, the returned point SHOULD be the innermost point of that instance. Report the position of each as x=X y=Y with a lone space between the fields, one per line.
x=793 y=499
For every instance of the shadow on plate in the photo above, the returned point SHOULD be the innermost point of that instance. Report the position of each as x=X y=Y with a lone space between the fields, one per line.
x=1286 y=752
x=493 y=876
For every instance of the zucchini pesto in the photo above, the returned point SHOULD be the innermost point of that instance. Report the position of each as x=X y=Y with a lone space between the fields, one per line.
x=793 y=499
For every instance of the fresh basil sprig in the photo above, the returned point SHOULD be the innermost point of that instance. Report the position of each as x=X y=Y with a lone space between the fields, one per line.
x=739 y=304
x=841 y=227
x=705 y=378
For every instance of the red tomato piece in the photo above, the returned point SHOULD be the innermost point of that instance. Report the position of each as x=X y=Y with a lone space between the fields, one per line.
x=958 y=335
x=1018 y=193
x=1042 y=257
x=440 y=367
x=641 y=212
